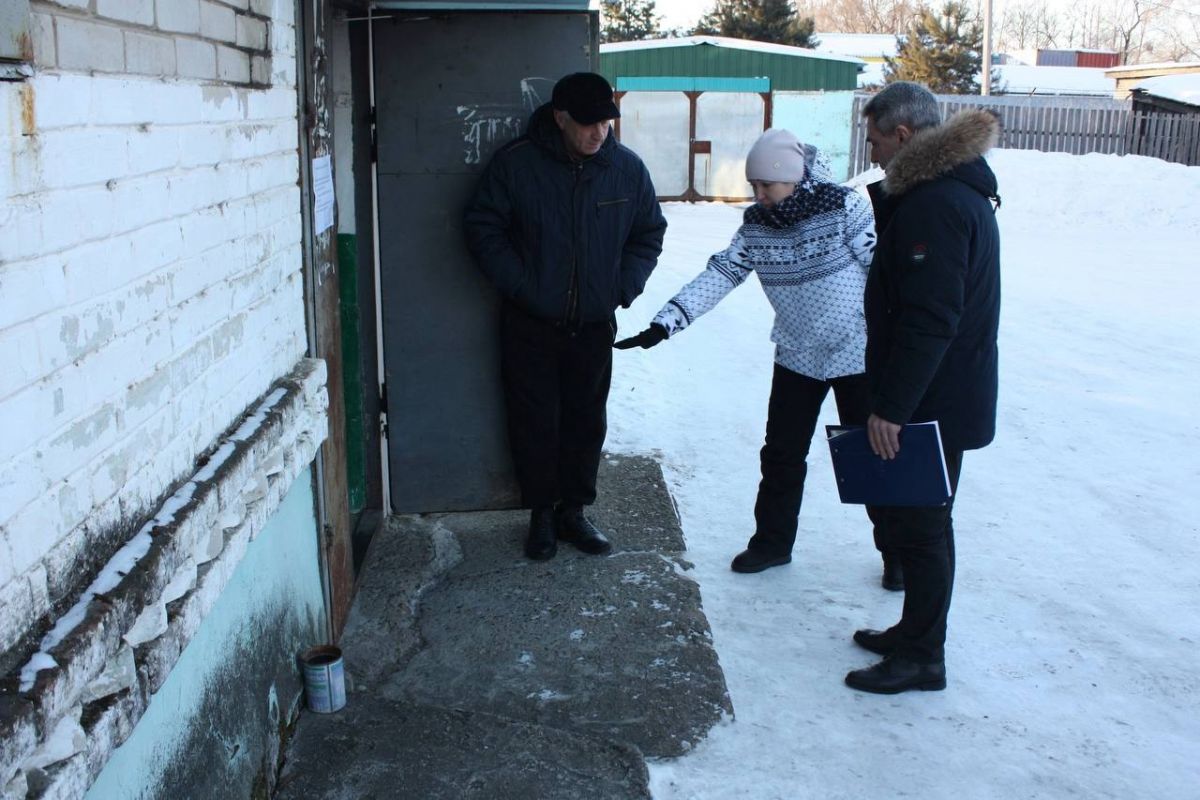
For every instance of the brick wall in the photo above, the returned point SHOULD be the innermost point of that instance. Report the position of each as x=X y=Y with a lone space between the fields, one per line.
x=225 y=40
x=150 y=284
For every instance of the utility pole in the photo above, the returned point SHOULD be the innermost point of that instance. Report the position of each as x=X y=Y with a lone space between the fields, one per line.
x=985 y=88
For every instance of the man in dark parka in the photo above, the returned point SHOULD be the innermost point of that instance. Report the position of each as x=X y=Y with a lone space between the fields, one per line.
x=933 y=309
x=566 y=224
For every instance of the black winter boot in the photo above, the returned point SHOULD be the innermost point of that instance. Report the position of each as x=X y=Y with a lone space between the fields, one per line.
x=542 y=543
x=574 y=528
x=881 y=643
x=893 y=575
x=895 y=674
x=753 y=560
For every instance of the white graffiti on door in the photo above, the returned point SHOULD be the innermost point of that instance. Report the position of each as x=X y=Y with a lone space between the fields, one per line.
x=529 y=94
x=485 y=126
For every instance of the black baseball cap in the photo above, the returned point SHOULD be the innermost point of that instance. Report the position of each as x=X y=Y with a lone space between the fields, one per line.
x=586 y=96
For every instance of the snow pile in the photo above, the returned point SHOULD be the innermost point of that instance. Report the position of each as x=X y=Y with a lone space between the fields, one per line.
x=1181 y=88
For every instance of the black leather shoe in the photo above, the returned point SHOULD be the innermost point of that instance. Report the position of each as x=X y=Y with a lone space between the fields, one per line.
x=751 y=560
x=893 y=575
x=576 y=529
x=881 y=643
x=542 y=544
x=894 y=675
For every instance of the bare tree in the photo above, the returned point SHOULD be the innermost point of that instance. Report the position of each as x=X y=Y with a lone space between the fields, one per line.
x=1175 y=36
x=1127 y=23
x=1029 y=25
x=1124 y=26
x=864 y=16
x=1017 y=27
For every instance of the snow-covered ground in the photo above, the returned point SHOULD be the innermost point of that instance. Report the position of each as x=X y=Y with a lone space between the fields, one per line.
x=1074 y=644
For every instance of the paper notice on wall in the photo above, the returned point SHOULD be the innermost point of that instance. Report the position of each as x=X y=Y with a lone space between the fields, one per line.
x=322 y=183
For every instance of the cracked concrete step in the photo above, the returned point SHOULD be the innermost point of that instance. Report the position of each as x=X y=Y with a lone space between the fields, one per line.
x=387 y=750
x=612 y=646
x=475 y=672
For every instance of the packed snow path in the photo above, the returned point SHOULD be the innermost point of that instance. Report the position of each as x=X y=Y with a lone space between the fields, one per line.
x=1076 y=622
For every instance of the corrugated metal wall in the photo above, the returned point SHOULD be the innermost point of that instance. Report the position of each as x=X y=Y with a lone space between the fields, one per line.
x=1077 y=58
x=1056 y=58
x=1101 y=60
x=797 y=73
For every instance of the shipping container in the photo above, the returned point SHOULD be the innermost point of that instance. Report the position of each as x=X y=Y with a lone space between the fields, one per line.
x=1056 y=58
x=1098 y=58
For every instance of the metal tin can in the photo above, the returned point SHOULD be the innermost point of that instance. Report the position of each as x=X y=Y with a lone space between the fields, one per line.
x=324 y=679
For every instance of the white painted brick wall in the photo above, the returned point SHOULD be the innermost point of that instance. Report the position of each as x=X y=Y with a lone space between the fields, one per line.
x=164 y=38
x=232 y=65
x=89 y=45
x=139 y=11
x=44 y=50
x=148 y=54
x=251 y=33
x=150 y=282
x=217 y=21
x=181 y=16
x=196 y=59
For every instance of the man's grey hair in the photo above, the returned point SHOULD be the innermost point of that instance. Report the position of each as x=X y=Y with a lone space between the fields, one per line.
x=903 y=103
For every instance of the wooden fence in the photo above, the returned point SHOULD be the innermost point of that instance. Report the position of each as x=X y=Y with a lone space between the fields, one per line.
x=1171 y=137
x=1065 y=125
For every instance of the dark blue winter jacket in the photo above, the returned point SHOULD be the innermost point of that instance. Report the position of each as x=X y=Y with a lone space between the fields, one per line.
x=933 y=290
x=566 y=241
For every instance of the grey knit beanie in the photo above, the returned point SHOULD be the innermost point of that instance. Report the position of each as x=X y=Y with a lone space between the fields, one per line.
x=777 y=156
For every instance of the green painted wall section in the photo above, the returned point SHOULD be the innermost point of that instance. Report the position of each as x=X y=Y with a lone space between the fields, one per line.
x=806 y=73
x=352 y=377
x=209 y=730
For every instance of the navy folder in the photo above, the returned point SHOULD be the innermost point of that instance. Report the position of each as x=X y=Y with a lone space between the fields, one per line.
x=917 y=476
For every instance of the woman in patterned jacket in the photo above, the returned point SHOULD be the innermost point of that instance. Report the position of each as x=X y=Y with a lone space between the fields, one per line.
x=809 y=240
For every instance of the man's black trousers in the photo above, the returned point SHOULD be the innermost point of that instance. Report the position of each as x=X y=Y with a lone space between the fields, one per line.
x=556 y=383
x=792 y=414
x=923 y=540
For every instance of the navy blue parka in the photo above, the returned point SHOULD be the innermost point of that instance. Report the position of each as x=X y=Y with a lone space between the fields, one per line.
x=566 y=241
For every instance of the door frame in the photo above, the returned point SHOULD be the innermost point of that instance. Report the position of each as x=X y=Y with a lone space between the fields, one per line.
x=375 y=14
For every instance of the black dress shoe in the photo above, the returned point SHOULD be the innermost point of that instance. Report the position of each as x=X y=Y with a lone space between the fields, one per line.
x=893 y=575
x=881 y=643
x=542 y=543
x=895 y=674
x=576 y=529
x=751 y=560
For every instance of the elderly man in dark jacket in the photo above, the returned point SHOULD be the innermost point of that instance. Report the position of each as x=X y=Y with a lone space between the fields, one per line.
x=566 y=224
x=933 y=311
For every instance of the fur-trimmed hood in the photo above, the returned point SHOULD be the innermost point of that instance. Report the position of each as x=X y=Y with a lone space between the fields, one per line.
x=947 y=148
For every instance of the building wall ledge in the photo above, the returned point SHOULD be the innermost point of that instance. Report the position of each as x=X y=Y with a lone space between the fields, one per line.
x=59 y=729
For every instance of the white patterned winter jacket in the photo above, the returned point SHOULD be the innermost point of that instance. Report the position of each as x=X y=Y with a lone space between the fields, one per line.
x=811 y=254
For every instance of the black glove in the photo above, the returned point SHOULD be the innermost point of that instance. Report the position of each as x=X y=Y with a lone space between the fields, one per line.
x=645 y=340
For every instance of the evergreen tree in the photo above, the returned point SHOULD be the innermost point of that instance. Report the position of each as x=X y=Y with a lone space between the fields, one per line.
x=628 y=20
x=775 y=21
x=943 y=50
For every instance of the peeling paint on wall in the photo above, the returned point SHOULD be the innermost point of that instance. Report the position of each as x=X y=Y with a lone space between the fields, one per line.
x=213 y=728
x=28 y=113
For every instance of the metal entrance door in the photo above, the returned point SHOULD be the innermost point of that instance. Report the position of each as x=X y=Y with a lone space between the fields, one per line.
x=450 y=89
